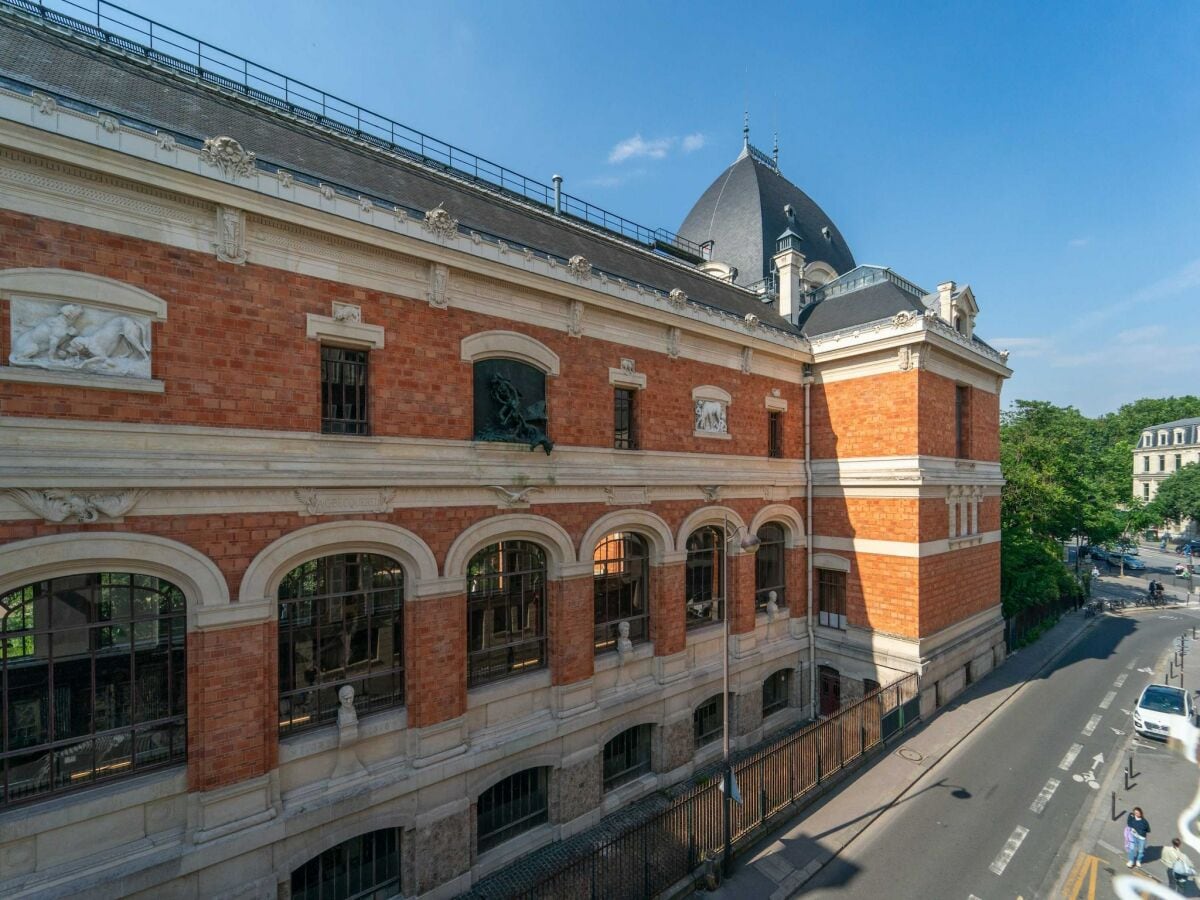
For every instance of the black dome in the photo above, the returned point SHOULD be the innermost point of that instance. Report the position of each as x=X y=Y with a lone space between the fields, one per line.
x=742 y=213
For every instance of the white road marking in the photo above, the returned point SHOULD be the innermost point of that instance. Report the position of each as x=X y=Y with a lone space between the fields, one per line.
x=1091 y=725
x=1110 y=848
x=1108 y=699
x=1011 y=846
x=1120 y=682
x=1069 y=759
x=1147 y=670
x=1132 y=663
x=1044 y=797
x=973 y=897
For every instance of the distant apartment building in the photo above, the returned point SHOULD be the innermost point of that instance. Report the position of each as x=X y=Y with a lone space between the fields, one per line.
x=1162 y=451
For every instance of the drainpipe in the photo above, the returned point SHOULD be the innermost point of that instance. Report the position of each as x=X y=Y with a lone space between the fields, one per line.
x=557 y=179
x=808 y=523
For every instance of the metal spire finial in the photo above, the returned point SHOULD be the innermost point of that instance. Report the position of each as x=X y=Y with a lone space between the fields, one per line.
x=746 y=130
x=775 y=152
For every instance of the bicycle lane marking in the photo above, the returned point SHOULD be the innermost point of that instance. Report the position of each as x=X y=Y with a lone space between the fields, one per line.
x=1091 y=725
x=1011 y=846
x=1069 y=759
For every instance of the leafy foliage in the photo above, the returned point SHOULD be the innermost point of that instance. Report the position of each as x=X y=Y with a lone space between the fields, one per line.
x=1179 y=495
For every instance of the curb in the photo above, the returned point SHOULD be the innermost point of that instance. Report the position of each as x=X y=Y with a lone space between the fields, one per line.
x=810 y=871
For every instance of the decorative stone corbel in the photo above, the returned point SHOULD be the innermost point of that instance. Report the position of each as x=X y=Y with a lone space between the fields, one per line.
x=711 y=492
x=514 y=498
x=165 y=141
x=76 y=506
x=579 y=267
x=440 y=223
x=673 y=338
x=677 y=298
x=575 y=321
x=46 y=104
x=231 y=235
x=747 y=359
x=439 y=278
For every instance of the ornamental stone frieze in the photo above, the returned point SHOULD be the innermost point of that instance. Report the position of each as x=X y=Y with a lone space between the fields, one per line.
x=74 y=337
x=316 y=502
x=226 y=154
x=514 y=498
x=65 y=506
x=440 y=223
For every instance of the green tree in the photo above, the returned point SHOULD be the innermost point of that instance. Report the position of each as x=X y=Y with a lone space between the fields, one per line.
x=1118 y=434
x=1179 y=495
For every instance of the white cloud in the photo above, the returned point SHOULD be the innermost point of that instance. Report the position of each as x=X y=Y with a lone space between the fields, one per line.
x=1145 y=334
x=1079 y=242
x=637 y=147
x=693 y=142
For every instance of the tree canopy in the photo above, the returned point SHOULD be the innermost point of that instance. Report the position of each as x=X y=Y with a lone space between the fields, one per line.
x=1179 y=495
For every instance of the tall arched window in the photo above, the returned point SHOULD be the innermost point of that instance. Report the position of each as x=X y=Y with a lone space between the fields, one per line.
x=702 y=587
x=516 y=804
x=93 y=676
x=506 y=611
x=362 y=868
x=769 y=572
x=341 y=621
x=619 y=567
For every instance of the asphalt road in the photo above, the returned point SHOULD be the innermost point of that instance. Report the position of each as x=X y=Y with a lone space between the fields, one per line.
x=999 y=815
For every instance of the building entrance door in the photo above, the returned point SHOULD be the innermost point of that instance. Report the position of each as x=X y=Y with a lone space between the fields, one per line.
x=831 y=690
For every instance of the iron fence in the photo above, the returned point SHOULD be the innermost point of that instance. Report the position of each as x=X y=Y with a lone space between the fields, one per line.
x=651 y=856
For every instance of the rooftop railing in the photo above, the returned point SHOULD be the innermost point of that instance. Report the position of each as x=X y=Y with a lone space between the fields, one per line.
x=116 y=27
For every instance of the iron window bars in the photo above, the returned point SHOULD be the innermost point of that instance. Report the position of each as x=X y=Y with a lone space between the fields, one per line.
x=627 y=756
x=343 y=391
x=775 y=434
x=94 y=677
x=366 y=866
x=516 y=804
x=506 y=611
x=341 y=621
x=625 y=419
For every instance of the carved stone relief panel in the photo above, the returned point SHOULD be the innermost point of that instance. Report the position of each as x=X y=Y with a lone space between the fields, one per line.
x=77 y=337
x=710 y=417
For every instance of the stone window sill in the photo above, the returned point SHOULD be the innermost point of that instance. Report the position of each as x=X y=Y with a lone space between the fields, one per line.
x=66 y=379
x=626 y=793
x=88 y=803
x=611 y=659
x=968 y=541
x=507 y=687
x=714 y=435
x=514 y=847
x=320 y=740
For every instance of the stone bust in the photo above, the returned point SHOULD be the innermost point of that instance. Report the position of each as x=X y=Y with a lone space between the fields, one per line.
x=624 y=644
x=347 y=716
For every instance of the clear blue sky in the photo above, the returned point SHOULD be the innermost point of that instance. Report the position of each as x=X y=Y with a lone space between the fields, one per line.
x=1046 y=153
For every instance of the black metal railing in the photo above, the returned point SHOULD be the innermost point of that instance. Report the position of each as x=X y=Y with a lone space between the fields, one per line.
x=652 y=855
x=114 y=26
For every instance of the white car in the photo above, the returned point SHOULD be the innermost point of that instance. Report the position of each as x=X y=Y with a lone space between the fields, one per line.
x=1159 y=706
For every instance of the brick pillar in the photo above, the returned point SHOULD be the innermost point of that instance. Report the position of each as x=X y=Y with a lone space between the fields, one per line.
x=740 y=601
x=570 y=622
x=668 y=620
x=795 y=562
x=233 y=710
x=435 y=653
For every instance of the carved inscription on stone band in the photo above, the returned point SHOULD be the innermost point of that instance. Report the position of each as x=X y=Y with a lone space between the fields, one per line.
x=74 y=337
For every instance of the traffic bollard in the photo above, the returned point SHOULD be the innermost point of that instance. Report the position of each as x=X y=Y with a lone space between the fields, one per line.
x=1114 y=805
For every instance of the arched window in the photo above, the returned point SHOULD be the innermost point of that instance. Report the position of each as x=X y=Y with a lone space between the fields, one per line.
x=341 y=621
x=769 y=572
x=362 y=868
x=627 y=756
x=516 y=804
x=702 y=588
x=506 y=611
x=94 y=680
x=776 y=689
x=619 y=567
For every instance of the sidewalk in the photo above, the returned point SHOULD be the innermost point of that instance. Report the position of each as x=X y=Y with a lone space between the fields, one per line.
x=779 y=866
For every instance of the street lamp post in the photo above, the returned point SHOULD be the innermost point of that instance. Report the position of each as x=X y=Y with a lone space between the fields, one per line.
x=748 y=544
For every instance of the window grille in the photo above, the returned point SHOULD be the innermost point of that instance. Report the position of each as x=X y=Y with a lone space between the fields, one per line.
x=775 y=434
x=341 y=621
x=708 y=721
x=506 y=611
x=620 y=585
x=702 y=586
x=516 y=804
x=343 y=391
x=962 y=421
x=367 y=866
x=627 y=756
x=93 y=682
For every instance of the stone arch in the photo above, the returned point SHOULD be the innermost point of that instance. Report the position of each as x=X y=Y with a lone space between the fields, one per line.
x=632 y=720
x=831 y=561
x=546 y=533
x=707 y=515
x=266 y=571
x=480 y=781
x=509 y=345
x=785 y=514
x=203 y=585
x=643 y=522
x=330 y=834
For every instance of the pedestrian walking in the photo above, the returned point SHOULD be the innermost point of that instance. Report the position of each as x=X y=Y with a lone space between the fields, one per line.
x=1137 y=827
x=1179 y=868
x=1095 y=571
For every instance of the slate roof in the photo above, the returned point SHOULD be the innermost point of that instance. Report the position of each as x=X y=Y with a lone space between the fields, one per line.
x=869 y=304
x=742 y=212
x=62 y=65
x=1178 y=423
